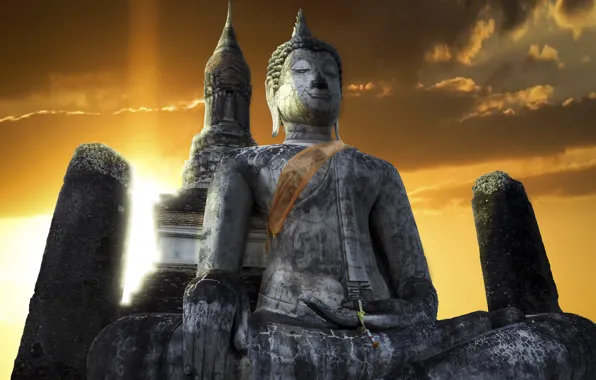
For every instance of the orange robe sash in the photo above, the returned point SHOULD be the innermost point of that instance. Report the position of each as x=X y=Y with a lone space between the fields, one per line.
x=294 y=177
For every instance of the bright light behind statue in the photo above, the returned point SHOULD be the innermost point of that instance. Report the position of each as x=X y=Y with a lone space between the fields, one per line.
x=141 y=247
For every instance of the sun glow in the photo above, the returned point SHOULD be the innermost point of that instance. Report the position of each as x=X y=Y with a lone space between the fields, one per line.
x=141 y=247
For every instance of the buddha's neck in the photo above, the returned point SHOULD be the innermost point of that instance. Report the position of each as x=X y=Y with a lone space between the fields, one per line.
x=302 y=134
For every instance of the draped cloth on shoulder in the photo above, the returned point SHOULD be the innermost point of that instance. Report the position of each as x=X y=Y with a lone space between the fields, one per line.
x=294 y=177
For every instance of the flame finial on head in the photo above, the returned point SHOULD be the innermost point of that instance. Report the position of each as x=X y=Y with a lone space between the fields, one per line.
x=301 y=29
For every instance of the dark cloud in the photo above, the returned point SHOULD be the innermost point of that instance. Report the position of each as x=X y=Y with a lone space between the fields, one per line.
x=554 y=59
x=69 y=36
x=515 y=12
x=502 y=74
x=573 y=7
x=419 y=134
x=566 y=183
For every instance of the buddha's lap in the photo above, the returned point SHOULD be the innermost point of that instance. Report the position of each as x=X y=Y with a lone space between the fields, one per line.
x=553 y=346
x=562 y=342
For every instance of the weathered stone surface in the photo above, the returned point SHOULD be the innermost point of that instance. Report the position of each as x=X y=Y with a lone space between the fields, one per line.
x=78 y=290
x=546 y=347
x=138 y=347
x=514 y=262
x=152 y=349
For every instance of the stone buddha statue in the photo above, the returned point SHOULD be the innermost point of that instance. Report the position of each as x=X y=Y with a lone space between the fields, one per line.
x=346 y=292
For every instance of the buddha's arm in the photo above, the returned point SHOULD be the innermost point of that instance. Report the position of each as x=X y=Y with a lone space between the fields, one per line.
x=396 y=236
x=226 y=220
x=215 y=306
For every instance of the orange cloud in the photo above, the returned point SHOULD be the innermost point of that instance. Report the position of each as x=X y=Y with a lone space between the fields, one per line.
x=438 y=53
x=458 y=84
x=532 y=98
x=575 y=18
x=466 y=49
x=186 y=106
x=361 y=87
x=482 y=31
x=547 y=54
x=488 y=102
x=572 y=100
x=380 y=88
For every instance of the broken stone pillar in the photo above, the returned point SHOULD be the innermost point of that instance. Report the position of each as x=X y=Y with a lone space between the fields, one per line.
x=79 y=287
x=514 y=262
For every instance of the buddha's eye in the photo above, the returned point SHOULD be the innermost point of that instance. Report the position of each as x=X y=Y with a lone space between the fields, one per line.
x=301 y=66
x=330 y=71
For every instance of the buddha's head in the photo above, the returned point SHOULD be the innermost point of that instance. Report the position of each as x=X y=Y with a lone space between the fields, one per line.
x=304 y=81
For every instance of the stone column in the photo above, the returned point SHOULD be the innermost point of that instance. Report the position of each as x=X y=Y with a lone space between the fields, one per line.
x=79 y=287
x=514 y=262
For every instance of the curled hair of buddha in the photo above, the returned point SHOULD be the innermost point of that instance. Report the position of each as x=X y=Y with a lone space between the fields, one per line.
x=301 y=39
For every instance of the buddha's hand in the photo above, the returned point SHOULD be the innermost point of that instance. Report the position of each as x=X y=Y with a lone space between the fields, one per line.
x=418 y=305
x=215 y=316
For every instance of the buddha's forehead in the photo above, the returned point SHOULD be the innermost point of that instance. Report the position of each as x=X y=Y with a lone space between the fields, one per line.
x=311 y=56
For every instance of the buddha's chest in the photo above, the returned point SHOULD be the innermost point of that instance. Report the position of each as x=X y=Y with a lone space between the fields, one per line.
x=342 y=177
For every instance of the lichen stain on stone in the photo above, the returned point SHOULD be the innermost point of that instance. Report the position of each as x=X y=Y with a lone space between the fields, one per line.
x=99 y=158
x=494 y=182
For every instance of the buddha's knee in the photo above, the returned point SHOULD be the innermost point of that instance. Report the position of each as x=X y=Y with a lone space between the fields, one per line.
x=545 y=346
x=144 y=346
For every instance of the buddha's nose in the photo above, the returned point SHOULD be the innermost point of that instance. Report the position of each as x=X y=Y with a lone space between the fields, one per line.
x=320 y=83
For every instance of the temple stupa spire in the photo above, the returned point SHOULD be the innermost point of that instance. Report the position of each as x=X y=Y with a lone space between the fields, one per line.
x=229 y=16
x=226 y=124
x=228 y=35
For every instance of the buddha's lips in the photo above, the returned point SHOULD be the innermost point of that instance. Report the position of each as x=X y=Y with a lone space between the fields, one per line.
x=319 y=95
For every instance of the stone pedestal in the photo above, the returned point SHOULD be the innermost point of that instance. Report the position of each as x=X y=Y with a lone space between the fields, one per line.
x=79 y=288
x=514 y=262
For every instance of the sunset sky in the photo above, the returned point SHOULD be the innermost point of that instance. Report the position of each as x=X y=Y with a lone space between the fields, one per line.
x=446 y=90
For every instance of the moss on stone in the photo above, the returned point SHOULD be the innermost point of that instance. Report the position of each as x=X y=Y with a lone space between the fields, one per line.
x=99 y=158
x=494 y=182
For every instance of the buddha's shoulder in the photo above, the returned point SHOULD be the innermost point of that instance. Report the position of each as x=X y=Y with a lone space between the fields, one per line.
x=369 y=161
x=276 y=155
x=258 y=157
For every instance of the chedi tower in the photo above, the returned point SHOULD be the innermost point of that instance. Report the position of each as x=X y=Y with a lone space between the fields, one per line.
x=227 y=95
x=179 y=217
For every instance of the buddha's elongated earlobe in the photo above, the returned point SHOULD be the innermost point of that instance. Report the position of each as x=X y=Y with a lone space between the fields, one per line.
x=336 y=129
x=276 y=121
